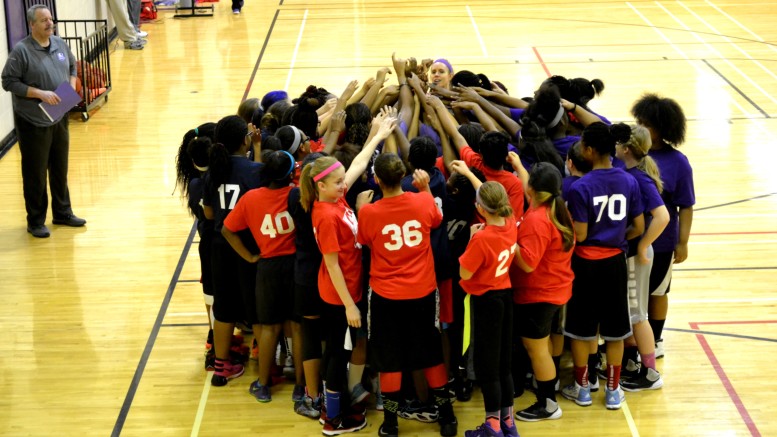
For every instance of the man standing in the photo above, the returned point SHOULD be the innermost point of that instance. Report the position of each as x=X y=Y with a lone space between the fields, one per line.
x=36 y=66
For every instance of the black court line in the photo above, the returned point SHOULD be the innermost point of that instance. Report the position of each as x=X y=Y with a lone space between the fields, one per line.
x=188 y=280
x=744 y=96
x=261 y=54
x=723 y=269
x=723 y=334
x=179 y=325
x=152 y=337
x=734 y=202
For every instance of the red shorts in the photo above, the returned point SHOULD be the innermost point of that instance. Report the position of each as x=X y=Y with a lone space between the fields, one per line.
x=446 y=301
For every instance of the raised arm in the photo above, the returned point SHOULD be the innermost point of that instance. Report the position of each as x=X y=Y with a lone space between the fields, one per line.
x=448 y=125
x=578 y=111
x=504 y=99
x=503 y=119
x=372 y=94
x=359 y=163
x=448 y=154
x=336 y=126
x=405 y=94
x=461 y=168
x=487 y=122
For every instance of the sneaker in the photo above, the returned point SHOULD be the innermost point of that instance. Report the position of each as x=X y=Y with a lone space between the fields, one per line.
x=70 y=220
x=260 y=392
x=593 y=385
x=509 y=431
x=580 y=395
x=540 y=411
x=298 y=394
x=358 y=394
x=142 y=34
x=388 y=430
x=239 y=353
x=614 y=398
x=39 y=231
x=237 y=12
x=224 y=371
x=323 y=417
x=288 y=366
x=630 y=371
x=343 y=424
x=210 y=360
x=209 y=341
x=378 y=402
x=660 y=348
x=449 y=427
x=416 y=410
x=484 y=430
x=463 y=389
x=133 y=45
x=308 y=407
x=647 y=379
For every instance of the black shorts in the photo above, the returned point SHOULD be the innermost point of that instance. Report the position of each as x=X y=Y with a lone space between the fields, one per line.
x=274 y=289
x=204 y=249
x=661 y=273
x=535 y=320
x=232 y=278
x=600 y=299
x=307 y=301
x=403 y=334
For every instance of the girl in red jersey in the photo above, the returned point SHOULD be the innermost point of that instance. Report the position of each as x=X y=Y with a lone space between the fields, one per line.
x=403 y=324
x=265 y=212
x=542 y=281
x=323 y=185
x=484 y=277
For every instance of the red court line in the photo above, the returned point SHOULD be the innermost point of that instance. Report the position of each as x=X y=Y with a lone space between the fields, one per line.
x=734 y=322
x=732 y=393
x=544 y=67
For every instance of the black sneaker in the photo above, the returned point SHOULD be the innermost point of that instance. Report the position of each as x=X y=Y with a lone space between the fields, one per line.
x=39 y=231
x=540 y=411
x=463 y=389
x=416 y=410
x=647 y=379
x=449 y=427
x=630 y=371
x=70 y=220
x=388 y=430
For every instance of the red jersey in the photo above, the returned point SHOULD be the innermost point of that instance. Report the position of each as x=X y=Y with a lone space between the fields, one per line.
x=265 y=213
x=335 y=227
x=489 y=255
x=541 y=247
x=440 y=163
x=509 y=181
x=397 y=230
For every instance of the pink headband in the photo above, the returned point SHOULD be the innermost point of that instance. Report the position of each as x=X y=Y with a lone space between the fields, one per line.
x=329 y=169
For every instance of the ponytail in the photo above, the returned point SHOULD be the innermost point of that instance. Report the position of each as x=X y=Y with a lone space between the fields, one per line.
x=648 y=165
x=307 y=186
x=220 y=165
x=559 y=216
x=639 y=143
x=492 y=197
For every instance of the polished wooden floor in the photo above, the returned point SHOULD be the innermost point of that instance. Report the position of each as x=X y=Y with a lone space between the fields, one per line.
x=78 y=310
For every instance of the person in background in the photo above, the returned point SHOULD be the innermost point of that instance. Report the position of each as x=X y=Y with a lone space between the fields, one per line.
x=45 y=60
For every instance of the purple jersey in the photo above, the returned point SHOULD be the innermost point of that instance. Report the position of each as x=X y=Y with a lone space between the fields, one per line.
x=608 y=200
x=677 y=177
x=566 y=185
x=222 y=199
x=563 y=145
x=650 y=201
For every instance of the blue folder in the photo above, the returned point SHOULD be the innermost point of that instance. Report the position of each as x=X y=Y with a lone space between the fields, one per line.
x=68 y=99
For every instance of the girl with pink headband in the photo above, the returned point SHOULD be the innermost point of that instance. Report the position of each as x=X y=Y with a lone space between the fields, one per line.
x=323 y=185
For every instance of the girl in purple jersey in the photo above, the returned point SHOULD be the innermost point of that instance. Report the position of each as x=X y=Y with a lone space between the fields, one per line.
x=606 y=210
x=665 y=120
x=633 y=153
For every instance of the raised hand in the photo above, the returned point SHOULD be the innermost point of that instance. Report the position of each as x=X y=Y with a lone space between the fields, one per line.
x=465 y=105
x=421 y=180
x=460 y=167
x=337 y=122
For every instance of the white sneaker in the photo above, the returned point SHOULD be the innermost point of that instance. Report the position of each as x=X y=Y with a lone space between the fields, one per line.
x=660 y=348
x=142 y=34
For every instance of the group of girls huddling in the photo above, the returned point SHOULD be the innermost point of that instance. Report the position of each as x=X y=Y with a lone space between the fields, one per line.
x=440 y=231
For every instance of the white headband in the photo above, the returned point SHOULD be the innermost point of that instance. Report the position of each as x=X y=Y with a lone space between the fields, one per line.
x=297 y=140
x=557 y=118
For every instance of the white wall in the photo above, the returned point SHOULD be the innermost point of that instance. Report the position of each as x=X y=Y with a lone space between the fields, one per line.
x=66 y=10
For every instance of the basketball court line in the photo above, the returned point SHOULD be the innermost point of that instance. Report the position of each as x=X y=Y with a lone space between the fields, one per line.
x=296 y=50
x=477 y=32
x=740 y=92
x=261 y=54
x=152 y=336
x=734 y=202
x=723 y=334
x=732 y=393
x=742 y=26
